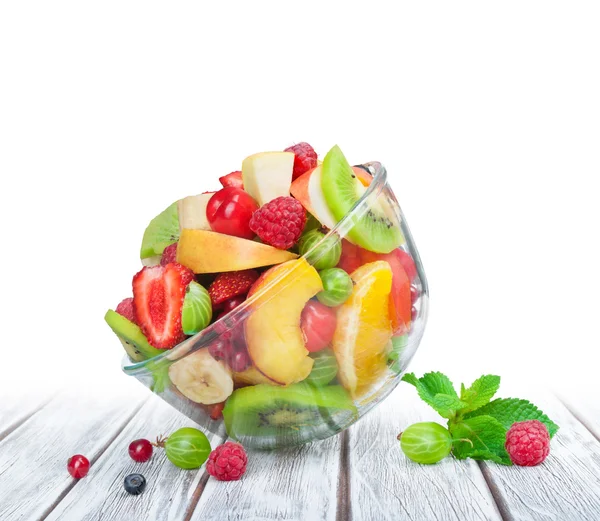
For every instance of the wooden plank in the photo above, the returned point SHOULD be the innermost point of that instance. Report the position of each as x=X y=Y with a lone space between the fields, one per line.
x=565 y=486
x=169 y=490
x=15 y=411
x=586 y=410
x=33 y=458
x=386 y=485
x=292 y=484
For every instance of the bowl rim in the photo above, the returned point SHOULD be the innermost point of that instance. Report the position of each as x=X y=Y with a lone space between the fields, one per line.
x=208 y=335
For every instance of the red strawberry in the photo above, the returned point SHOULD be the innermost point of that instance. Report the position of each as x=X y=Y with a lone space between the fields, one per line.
x=231 y=284
x=125 y=308
x=158 y=294
x=234 y=179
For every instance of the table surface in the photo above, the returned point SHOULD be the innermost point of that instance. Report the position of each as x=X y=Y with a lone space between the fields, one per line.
x=360 y=474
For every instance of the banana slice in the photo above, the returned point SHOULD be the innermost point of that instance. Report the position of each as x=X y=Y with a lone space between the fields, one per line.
x=201 y=378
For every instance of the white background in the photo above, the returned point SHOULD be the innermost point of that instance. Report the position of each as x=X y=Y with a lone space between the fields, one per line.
x=487 y=116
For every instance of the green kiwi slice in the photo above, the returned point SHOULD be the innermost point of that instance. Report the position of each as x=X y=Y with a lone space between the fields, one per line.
x=162 y=231
x=134 y=341
x=376 y=230
x=287 y=415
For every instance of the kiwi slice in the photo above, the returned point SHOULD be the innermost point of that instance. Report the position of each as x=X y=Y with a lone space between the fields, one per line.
x=162 y=231
x=376 y=230
x=268 y=416
x=134 y=341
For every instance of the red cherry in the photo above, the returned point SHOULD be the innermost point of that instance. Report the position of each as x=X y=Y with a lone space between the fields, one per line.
x=318 y=325
x=229 y=211
x=414 y=313
x=233 y=303
x=140 y=450
x=414 y=294
x=78 y=466
x=240 y=361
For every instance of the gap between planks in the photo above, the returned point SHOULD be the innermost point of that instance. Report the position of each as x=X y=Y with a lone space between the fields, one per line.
x=501 y=504
x=344 y=511
x=21 y=421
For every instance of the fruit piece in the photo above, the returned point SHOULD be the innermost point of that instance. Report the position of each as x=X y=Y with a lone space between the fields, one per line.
x=305 y=158
x=231 y=284
x=134 y=484
x=78 y=466
x=363 y=328
x=162 y=231
x=232 y=303
x=169 y=254
x=227 y=462
x=395 y=356
x=318 y=325
x=197 y=309
x=201 y=378
x=299 y=412
x=337 y=287
x=363 y=175
x=240 y=361
x=251 y=376
x=324 y=369
x=407 y=262
x=400 y=302
x=158 y=295
x=234 y=179
x=134 y=341
x=210 y=252
x=273 y=335
x=307 y=189
x=378 y=228
x=125 y=309
x=140 y=450
x=229 y=211
x=152 y=261
x=528 y=443
x=187 y=448
x=426 y=442
x=350 y=260
x=279 y=222
x=326 y=254
x=221 y=349
x=216 y=412
x=192 y=212
x=414 y=294
x=268 y=175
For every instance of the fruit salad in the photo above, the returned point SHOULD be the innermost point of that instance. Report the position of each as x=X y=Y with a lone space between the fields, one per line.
x=283 y=306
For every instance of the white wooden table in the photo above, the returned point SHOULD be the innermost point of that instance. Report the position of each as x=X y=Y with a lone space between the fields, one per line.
x=359 y=475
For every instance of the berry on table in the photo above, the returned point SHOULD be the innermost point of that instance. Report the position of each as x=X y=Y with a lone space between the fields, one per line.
x=231 y=284
x=528 y=443
x=140 y=450
x=135 y=484
x=78 y=466
x=280 y=222
x=125 y=308
x=305 y=158
x=227 y=462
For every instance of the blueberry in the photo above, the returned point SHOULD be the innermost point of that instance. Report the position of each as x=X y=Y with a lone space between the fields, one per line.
x=135 y=484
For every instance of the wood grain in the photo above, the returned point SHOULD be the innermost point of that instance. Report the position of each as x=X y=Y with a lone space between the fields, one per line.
x=566 y=486
x=33 y=458
x=293 y=484
x=169 y=490
x=386 y=485
x=586 y=410
x=13 y=413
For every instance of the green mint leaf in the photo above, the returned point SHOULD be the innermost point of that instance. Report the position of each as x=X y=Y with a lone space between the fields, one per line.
x=437 y=390
x=510 y=410
x=480 y=438
x=480 y=393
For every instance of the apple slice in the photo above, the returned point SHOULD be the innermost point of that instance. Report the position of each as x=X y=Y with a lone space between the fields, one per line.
x=268 y=175
x=192 y=212
x=210 y=252
x=273 y=335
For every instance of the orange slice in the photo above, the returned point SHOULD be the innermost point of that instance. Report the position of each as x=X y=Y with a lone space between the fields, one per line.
x=364 y=328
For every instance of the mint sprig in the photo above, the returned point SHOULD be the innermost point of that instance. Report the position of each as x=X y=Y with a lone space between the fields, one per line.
x=478 y=426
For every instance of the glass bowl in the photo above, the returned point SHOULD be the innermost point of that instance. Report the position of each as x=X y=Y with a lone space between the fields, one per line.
x=290 y=396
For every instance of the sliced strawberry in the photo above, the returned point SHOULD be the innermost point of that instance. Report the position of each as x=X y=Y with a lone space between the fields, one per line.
x=234 y=179
x=125 y=308
x=158 y=294
x=231 y=284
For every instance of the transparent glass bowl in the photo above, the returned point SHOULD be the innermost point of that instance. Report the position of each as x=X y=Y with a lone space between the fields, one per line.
x=261 y=413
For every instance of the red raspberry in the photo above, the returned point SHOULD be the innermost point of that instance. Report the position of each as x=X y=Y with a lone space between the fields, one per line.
x=279 y=222
x=528 y=443
x=125 y=308
x=306 y=158
x=227 y=462
x=169 y=255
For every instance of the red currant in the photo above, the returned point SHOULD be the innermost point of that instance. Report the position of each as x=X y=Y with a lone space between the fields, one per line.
x=220 y=349
x=140 y=450
x=78 y=466
x=414 y=294
x=414 y=313
x=318 y=325
x=233 y=303
x=229 y=211
x=240 y=361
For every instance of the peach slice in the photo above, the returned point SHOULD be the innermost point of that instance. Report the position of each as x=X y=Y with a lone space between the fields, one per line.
x=210 y=252
x=273 y=335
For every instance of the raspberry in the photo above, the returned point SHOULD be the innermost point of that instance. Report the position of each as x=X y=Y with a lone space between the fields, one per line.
x=528 y=443
x=279 y=222
x=169 y=255
x=306 y=158
x=125 y=308
x=227 y=462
